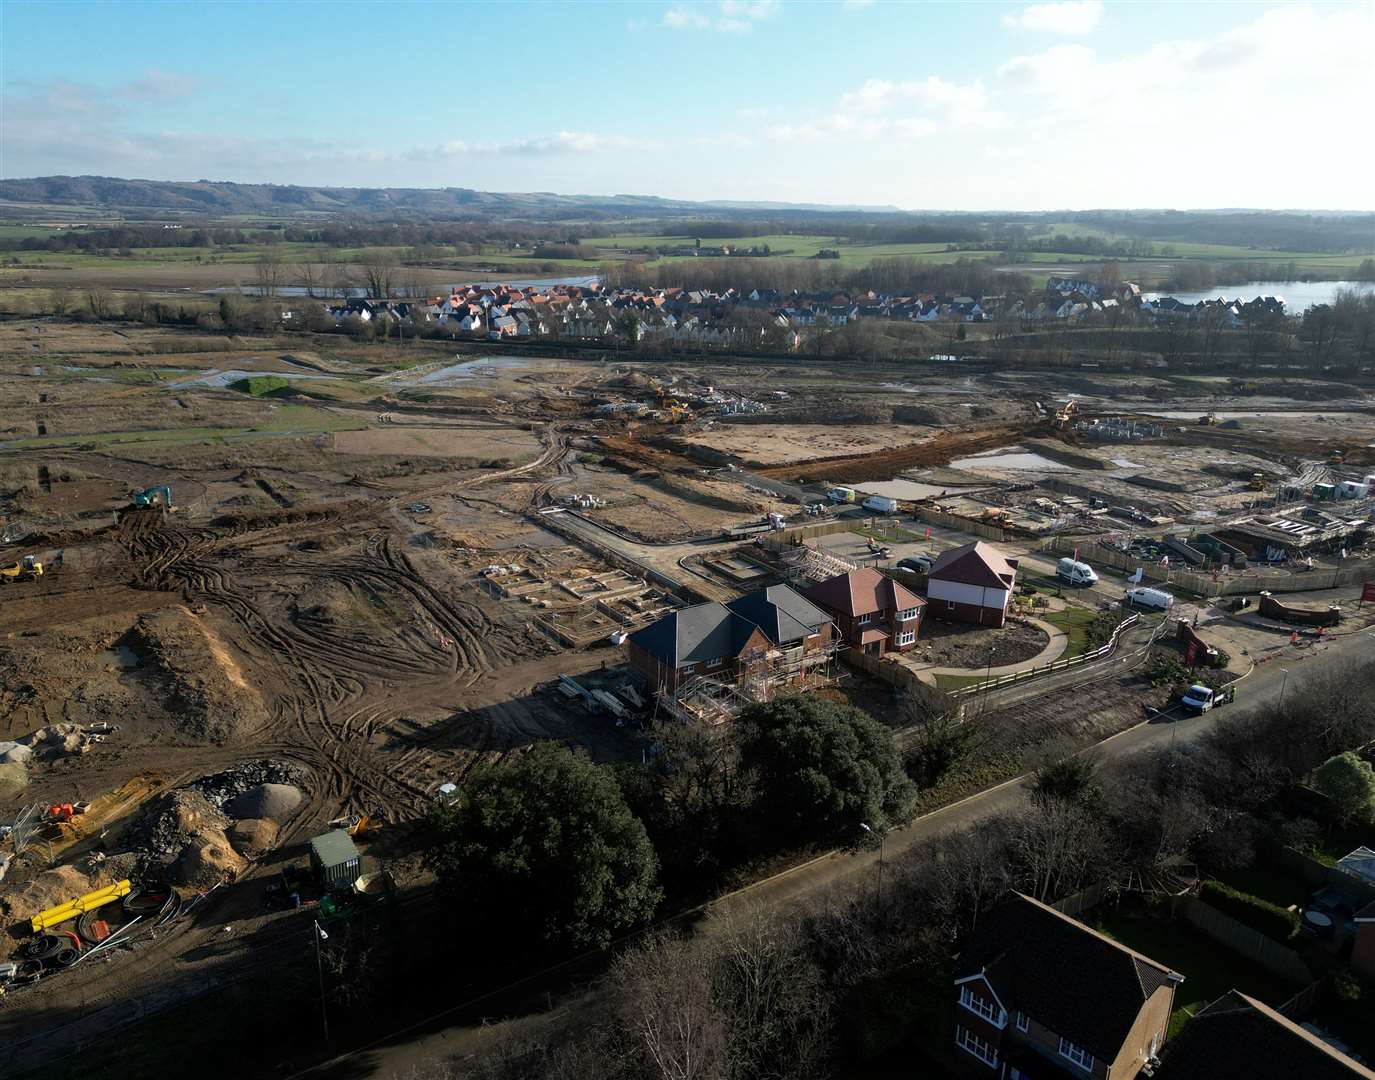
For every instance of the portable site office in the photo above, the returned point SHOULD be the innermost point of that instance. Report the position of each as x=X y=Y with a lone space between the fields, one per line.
x=335 y=859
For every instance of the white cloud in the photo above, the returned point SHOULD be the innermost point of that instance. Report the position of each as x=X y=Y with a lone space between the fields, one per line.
x=727 y=16
x=882 y=109
x=1064 y=17
x=855 y=5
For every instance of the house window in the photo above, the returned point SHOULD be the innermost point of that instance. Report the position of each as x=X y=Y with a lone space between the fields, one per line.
x=715 y=661
x=863 y=620
x=980 y=1048
x=1076 y=1054
x=986 y=1009
x=687 y=669
x=906 y=637
x=1023 y=1021
x=907 y=614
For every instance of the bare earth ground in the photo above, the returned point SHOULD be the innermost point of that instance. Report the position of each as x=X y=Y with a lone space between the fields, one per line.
x=293 y=609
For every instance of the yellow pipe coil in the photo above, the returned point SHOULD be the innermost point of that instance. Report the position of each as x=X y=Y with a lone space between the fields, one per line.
x=72 y=908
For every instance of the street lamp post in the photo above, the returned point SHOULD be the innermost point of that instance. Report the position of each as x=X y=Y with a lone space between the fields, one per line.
x=1283 y=683
x=320 y=936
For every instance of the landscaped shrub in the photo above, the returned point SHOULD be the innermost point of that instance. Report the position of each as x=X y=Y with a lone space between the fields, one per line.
x=1261 y=915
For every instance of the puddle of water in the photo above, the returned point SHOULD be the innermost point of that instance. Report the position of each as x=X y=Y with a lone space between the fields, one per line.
x=1125 y=463
x=905 y=489
x=120 y=656
x=473 y=369
x=1018 y=459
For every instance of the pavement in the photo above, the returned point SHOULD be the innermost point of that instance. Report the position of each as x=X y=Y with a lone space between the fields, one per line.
x=1054 y=647
x=454 y=1034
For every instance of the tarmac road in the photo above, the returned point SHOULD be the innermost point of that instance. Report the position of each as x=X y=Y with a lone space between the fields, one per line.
x=440 y=1037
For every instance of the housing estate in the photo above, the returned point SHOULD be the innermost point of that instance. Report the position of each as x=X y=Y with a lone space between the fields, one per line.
x=872 y=612
x=972 y=583
x=1040 y=995
x=1238 y=1036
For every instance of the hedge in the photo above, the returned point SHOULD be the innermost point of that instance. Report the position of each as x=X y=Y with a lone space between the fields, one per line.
x=1261 y=915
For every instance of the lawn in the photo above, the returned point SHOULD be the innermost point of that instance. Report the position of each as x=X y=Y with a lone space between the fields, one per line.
x=1075 y=622
x=1268 y=883
x=1209 y=969
x=283 y=420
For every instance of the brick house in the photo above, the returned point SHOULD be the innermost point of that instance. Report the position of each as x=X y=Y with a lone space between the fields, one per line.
x=772 y=629
x=872 y=613
x=972 y=583
x=1238 y=1036
x=1040 y=995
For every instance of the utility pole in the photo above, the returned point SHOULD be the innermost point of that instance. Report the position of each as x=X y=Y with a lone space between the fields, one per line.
x=878 y=890
x=1283 y=683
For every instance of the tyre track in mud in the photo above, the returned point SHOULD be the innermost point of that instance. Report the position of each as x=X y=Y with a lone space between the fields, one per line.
x=324 y=674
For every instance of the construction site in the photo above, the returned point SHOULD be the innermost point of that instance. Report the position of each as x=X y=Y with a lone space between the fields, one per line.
x=250 y=598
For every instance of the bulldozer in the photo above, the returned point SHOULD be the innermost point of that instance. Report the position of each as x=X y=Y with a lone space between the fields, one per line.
x=159 y=495
x=1336 y=457
x=1257 y=481
x=26 y=569
x=1209 y=421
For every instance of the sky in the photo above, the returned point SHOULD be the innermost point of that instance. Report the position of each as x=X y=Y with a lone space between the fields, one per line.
x=1076 y=104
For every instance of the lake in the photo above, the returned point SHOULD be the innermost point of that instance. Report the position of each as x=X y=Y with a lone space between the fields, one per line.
x=1298 y=296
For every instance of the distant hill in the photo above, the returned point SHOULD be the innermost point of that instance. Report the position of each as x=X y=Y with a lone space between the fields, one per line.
x=219 y=199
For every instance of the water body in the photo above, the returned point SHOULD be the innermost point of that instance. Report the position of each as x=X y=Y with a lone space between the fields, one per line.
x=1194 y=414
x=1016 y=459
x=472 y=369
x=1298 y=296
x=906 y=489
x=221 y=379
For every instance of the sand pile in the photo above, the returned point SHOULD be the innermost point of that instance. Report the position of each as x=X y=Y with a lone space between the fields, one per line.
x=274 y=801
x=208 y=861
x=53 y=887
x=252 y=836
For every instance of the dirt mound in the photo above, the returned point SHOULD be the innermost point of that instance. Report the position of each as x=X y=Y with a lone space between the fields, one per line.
x=274 y=801
x=253 y=835
x=208 y=861
x=53 y=887
x=221 y=788
x=208 y=695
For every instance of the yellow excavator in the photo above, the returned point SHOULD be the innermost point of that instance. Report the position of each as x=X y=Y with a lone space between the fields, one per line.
x=25 y=569
x=1064 y=413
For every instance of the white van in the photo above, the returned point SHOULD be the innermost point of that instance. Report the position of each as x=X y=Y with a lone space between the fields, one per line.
x=881 y=504
x=1198 y=698
x=841 y=495
x=1150 y=598
x=1075 y=573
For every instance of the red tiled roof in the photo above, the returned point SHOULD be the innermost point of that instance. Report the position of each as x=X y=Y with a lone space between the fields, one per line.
x=863 y=592
x=975 y=564
x=872 y=635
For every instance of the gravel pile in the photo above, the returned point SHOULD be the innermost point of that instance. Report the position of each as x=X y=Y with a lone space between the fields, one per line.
x=273 y=801
x=221 y=788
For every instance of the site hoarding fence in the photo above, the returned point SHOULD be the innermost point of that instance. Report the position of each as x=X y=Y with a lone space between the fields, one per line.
x=1207 y=584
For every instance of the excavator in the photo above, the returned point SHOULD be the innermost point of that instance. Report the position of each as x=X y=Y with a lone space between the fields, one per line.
x=1336 y=457
x=25 y=569
x=1064 y=414
x=160 y=495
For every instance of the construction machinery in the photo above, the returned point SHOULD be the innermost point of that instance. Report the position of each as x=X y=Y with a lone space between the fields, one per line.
x=1336 y=457
x=1209 y=420
x=1257 y=481
x=1064 y=413
x=159 y=495
x=25 y=569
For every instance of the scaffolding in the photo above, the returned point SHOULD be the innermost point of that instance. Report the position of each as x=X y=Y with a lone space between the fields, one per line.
x=764 y=675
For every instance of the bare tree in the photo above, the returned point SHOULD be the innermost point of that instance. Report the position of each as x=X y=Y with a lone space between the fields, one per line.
x=379 y=272
x=309 y=275
x=663 y=991
x=61 y=301
x=267 y=274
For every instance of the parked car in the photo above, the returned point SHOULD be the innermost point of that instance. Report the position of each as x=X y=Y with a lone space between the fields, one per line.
x=1150 y=598
x=1072 y=572
x=917 y=564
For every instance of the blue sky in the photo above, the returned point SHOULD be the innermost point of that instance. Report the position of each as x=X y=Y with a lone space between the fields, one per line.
x=921 y=105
